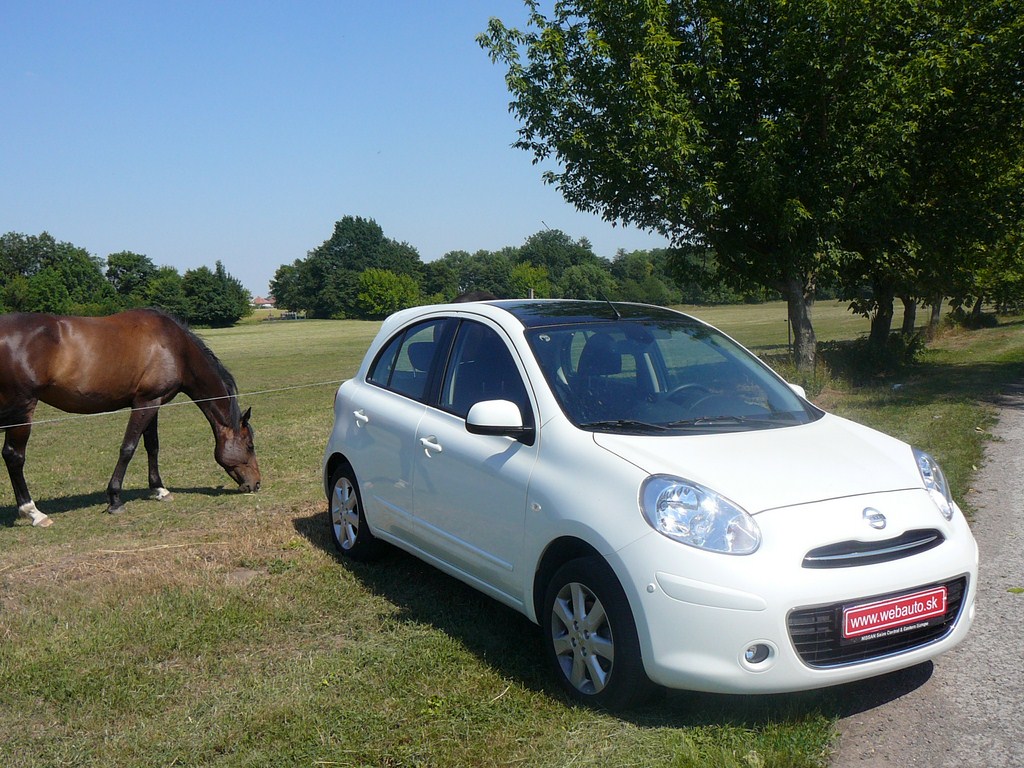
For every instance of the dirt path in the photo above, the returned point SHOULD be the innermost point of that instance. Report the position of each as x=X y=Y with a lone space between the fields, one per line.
x=968 y=708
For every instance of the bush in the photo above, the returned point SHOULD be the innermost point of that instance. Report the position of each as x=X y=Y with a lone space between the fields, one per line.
x=382 y=292
x=859 y=360
x=960 y=318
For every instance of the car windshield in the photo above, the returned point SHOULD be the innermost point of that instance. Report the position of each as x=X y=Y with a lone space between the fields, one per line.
x=664 y=376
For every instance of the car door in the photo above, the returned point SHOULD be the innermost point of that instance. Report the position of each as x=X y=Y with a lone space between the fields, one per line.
x=471 y=490
x=386 y=411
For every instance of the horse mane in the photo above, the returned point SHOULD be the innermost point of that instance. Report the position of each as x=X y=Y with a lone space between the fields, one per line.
x=473 y=296
x=218 y=367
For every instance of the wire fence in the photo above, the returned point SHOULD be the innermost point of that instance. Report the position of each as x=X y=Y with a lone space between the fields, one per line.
x=77 y=416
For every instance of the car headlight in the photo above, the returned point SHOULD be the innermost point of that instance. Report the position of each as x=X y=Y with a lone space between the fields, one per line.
x=694 y=515
x=935 y=483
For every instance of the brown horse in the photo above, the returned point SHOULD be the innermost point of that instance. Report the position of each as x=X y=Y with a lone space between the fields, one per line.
x=138 y=359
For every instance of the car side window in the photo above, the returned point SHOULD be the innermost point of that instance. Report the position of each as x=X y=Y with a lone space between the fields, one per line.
x=380 y=371
x=482 y=368
x=407 y=362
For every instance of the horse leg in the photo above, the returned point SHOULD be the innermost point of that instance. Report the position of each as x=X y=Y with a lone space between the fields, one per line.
x=152 y=441
x=15 y=441
x=137 y=424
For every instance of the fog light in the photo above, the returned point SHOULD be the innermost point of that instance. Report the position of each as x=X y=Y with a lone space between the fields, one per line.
x=756 y=654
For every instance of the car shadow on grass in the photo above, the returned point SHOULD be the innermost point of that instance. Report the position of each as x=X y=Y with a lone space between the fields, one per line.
x=511 y=644
x=694 y=708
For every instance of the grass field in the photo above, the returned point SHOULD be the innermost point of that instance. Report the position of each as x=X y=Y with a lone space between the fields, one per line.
x=220 y=629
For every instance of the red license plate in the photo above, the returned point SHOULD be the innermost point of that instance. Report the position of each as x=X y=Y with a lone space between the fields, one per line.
x=894 y=615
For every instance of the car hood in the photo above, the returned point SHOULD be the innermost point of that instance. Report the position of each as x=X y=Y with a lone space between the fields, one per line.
x=765 y=469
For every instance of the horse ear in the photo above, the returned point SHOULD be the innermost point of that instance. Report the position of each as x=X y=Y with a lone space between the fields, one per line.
x=246 y=415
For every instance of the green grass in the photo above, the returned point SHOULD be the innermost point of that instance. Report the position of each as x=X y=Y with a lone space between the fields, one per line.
x=764 y=327
x=220 y=629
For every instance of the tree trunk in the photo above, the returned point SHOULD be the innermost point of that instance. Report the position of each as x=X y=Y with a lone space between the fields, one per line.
x=799 y=300
x=976 y=310
x=936 y=315
x=881 y=320
x=909 y=315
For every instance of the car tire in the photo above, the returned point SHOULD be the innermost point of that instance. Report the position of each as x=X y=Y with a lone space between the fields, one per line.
x=590 y=637
x=349 y=531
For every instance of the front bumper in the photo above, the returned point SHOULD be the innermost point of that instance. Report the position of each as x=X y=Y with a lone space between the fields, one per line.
x=699 y=614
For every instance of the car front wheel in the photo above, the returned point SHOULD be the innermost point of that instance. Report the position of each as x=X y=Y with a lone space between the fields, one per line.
x=590 y=637
x=349 y=531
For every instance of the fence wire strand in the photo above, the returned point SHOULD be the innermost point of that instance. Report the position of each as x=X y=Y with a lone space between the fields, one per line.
x=75 y=417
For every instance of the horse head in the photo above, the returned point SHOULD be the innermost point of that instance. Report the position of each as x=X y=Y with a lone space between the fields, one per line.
x=237 y=454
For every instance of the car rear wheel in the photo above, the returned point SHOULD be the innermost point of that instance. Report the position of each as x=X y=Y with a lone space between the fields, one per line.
x=349 y=531
x=590 y=637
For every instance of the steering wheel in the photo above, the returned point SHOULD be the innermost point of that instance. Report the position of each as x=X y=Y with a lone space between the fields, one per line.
x=673 y=394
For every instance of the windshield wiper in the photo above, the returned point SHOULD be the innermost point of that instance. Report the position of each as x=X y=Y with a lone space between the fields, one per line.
x=623 y=424
x=717 y=421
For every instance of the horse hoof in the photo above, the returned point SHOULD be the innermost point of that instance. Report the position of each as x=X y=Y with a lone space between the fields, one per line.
x=30 y=512
x=161 y=494
x=115 y=510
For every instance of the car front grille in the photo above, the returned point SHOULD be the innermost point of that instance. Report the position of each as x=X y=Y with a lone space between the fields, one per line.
x=848 y=554
x=817 y=633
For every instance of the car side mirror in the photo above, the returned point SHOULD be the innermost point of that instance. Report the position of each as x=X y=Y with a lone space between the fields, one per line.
x=799 y=390
x=498 y=417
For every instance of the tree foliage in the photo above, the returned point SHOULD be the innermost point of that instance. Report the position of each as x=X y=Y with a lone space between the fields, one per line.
x=129 y=273
x=550 y=264
x=555 y=251
x=382 y=292
x=326 y=282
x=166 y=291
x=40 y=274
x=47 y=291
x=943 y=195
x=213 y=297
x=459 y=271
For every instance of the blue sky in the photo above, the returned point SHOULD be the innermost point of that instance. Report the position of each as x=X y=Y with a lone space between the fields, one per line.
x=241 y=131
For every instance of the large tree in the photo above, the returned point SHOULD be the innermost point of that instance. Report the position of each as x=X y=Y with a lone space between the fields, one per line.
x=643 y=276
x=130 y=273
x=166 y=291
x=214 y=297
x=458 y=272
x=743 y=127
x=33 y=266
x=326 y=282
x=556 y=251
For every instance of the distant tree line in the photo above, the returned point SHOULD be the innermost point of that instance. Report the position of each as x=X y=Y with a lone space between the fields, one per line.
x=360 y=273
x=40 y=274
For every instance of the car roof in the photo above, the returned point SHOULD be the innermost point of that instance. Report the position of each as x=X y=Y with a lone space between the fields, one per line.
x=542 y=313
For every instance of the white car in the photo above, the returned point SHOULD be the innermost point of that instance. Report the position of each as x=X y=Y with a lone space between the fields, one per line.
x=666 y=507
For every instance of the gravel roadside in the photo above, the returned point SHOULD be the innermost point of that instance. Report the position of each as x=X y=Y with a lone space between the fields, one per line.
x=966 y=708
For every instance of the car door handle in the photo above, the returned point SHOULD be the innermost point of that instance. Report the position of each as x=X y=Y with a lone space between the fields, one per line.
x=430 y=445
x=361 y=418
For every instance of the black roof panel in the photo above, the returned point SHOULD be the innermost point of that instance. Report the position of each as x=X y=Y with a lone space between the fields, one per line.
x=539 y=313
